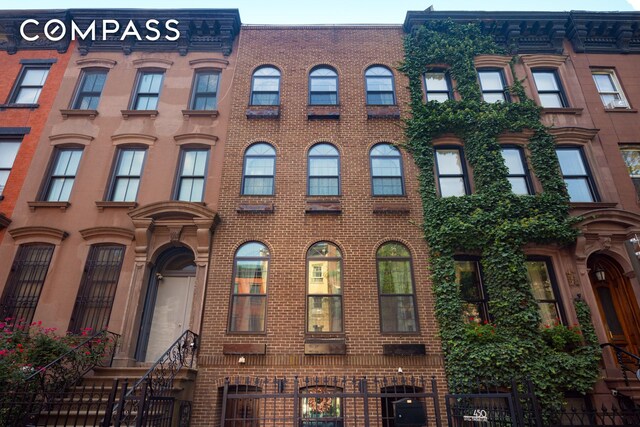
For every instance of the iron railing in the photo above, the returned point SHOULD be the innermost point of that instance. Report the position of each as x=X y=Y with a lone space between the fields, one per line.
x=625 y=361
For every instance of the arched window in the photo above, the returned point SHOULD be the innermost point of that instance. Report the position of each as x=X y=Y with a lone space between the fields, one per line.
x=323 y=86
x=265 y=86
x=395 y=285
x=259 y=170
x=324 y=170
x=379 y=86
x=386 y=171
x=249 y=292
x=324 y=288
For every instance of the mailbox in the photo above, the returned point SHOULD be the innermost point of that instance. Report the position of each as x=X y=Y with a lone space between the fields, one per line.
x=409 y=412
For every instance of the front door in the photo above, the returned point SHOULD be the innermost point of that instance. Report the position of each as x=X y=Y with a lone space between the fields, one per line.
x=616 y=303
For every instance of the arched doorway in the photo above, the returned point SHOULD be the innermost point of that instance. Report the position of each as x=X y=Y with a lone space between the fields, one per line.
x=168 y=303
x=616 y=302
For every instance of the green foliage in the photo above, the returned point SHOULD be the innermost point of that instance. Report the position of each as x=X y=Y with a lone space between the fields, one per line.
x=561 y=337
x=493 y=222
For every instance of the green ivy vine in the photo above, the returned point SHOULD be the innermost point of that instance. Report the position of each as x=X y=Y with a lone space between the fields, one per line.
x=493 y=222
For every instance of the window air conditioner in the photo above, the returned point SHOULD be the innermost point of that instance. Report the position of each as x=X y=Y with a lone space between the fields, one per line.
x=617 y=103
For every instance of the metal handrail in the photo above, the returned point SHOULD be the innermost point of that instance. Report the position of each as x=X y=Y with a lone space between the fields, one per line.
x=623 y=367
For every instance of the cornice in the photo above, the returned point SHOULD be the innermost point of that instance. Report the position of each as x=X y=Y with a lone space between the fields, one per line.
x=95 y=233
x=11 y=41
x=133 y=138
x=70 y=138
x=96 y=62
x=573 y=134
x=195 y=137
x=47 y=234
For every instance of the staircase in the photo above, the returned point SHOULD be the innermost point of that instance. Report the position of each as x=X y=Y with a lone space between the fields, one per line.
x=625 y=384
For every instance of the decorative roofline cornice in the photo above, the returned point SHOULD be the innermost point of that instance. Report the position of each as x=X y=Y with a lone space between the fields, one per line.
x=544 y=32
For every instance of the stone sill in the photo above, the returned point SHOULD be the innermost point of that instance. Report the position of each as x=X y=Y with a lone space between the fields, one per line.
x=575 y=111
x=620 y=110
x=255 y=208
x=263 y=112
x=323 y=207
x=139 y=113
x=79 y=113
x=102 y=205
x=383 y=112
x=326 y=346
x=592 y=205
x=12 y=105
x=200 y=113
x=58 y=205
x=323 y=112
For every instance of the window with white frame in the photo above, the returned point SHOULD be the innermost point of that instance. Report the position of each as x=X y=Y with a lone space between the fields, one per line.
x=609 y=89
x=631 y=156
x=437 y=86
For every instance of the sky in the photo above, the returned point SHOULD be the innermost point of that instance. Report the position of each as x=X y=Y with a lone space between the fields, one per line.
x=333 y=11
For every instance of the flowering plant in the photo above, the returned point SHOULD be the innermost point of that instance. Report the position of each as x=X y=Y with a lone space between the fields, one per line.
x=482 y=331
x=561 y=337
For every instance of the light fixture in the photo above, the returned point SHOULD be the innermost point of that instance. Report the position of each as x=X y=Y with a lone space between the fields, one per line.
x=400 y=370
x=242 y=360
x=600 y=274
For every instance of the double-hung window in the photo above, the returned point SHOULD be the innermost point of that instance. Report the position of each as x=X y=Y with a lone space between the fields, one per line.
x=191 y=175
x=395 y=285
x=8 y=153
x=518 y=173
x=63 y=174
x=205 y=90
x=379 y=86
x=147 y=90
x=576 y=174
x=30 y=84
x=468 y=275
x=324 y=170
x=324 y=288
x=631 y=156
x=249 y=293
x=126 y=176
x=386 y=170
x=541 y=279
x=437 y=85
x=323 y=86
x=265 y=86
x=609 y=89
x=492 y=85
x=451 y=171
x=259 y=170
x=549 y=89
x=90 y=89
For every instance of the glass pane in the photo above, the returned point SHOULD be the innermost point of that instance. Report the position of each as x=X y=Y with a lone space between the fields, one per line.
x=609 y=309
x=191 y=189
x=513 y=161
x=324 y=85
x=631 y=158
x=324 y=99
x=264 y=99
x=380 y=98
x=28 y=96
x=385 y=150
x=393 y=250
x=65 y=193
x=247 y=314
x=252 y=250
x=325 y=314
x=35 y=77
x=436 y=81
x=207 y=82
x=150 y=82
x=323 y=150
x=490 y=80
x=604 y=83
x=267 y=71
x=571 y=162
x=518 y=185
x=205 y=102
x=385 y=166
x=378 y=71
x=266 y=84
x=323 y=186
x=472 y=312
x=440 y=97
x=251 y=277
x=86 y=102
x=259 y=166
x=468 y=277
x=258 y=186
x=452 y=187
x=387 y=186
x=381 y=84
x=545 y=81
x=55 y=188
x=261 y=149
x=323 y=72
x=323 y=166
x=324 y=249
x=324 y=277
x=325 y=406
x=147 y=102
x=548 y=313
x=539 y=280
x=550 y=100
x=394 y=277
x=492 y=98
x=8 y=152
x=578 y=189
x=398 y=314
x=449 y=162
x=4 y=175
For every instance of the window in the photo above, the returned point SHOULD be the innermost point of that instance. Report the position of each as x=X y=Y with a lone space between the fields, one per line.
x=320 y=406
x=90 y=89
x=8 y=153
x=323 y=86
x=265 y=86
x=451 y=172
x=147 y=90
x=98 y=288
x=379 y=86
x=259 y=170
x=492 y=85
x=468 y=276
x=395 y=284
x=576 y=175
x=324 y=170
x=386 y=171
x=126 y=178
x=63 y=174
x=437 y=86
x=191 y=175
x=30 y=84
x=541 y=280
x=205 y=89
x=249 y=293
x=518 y=175
x=631 y=156
x=25 y=282
x=609 y=89
x=549 y=90
x=324 y=297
